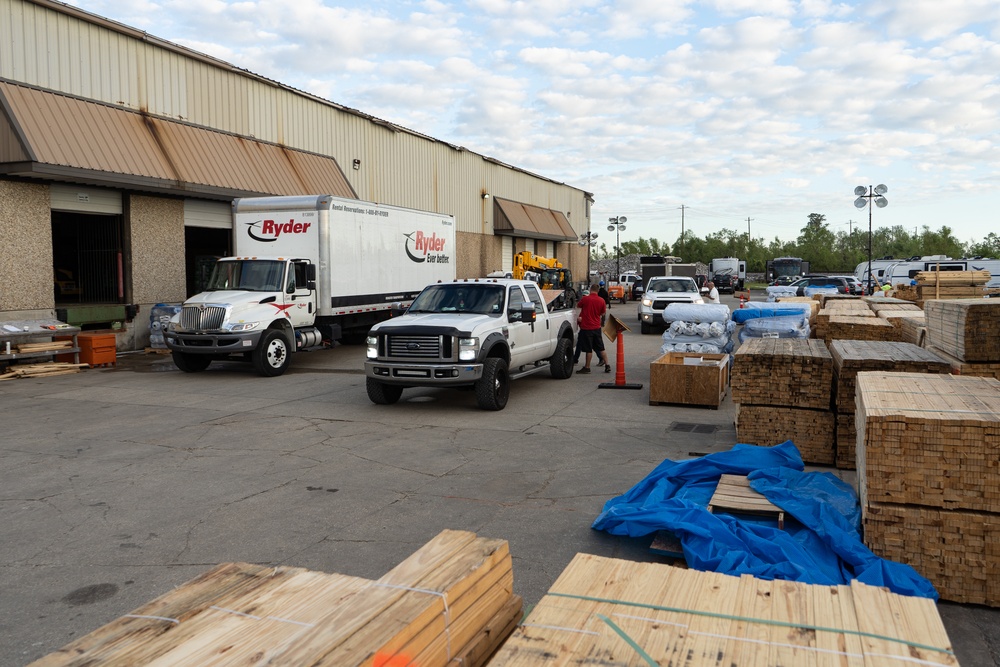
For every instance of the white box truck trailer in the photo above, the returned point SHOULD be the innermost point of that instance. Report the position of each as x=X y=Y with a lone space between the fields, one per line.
x=307 y=271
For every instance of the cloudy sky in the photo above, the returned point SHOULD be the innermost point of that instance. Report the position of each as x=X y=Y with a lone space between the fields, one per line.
x=732 y=109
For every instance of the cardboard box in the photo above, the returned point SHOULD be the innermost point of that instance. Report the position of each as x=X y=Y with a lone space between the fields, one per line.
x=674 y=378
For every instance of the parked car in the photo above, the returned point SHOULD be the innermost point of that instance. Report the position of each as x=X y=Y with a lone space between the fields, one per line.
x=855 y=286
x=783 y=281
x=843 y=287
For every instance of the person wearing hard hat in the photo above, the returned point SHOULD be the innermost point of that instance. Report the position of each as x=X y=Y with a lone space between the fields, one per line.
x=603 y=293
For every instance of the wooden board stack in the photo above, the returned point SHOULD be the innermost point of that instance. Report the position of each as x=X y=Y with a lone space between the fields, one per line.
x=783 y=390
x=47 y=369
x=450 y=603
x=853 y=356
x=605 y=611
x=932 y=285
x=964 y=328
x=858 y=327
x=928 y=477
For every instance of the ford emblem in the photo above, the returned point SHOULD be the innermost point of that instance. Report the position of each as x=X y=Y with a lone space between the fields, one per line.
x=413 y=346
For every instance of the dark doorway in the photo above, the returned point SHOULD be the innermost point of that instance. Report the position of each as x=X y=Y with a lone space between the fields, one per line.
x=202 y=246
x=87 y=258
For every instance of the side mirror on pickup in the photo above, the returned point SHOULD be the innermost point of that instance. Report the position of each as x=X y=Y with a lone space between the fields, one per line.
x=526 y=313
x=397 y=309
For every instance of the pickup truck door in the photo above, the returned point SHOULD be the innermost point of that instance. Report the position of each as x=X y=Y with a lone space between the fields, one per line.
x=519 y=334
x=542 y=337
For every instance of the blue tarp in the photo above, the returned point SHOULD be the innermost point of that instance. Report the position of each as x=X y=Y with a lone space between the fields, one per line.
x=758 y=309
x=822 y=546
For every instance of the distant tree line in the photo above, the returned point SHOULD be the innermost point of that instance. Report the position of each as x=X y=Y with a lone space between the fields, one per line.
x=825 y=249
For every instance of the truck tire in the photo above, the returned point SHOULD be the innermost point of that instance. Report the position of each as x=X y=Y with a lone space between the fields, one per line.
x=271 y=357
x=493 y=388
x=645 y=328
x=381 y=393
x=191 y=363
x=561 y=363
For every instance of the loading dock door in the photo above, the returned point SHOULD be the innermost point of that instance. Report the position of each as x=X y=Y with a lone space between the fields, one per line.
x=208 y=235
x=87 y=249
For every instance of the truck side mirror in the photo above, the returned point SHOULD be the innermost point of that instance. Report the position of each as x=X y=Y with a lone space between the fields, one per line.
x=527 y=311
x=311 y=277
x=396 y=309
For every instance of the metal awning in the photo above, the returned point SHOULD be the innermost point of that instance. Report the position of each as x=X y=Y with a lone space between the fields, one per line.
x=57 y=137
x=512 y=218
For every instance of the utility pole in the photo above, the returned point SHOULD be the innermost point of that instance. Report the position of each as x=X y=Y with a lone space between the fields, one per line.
x=682 y=231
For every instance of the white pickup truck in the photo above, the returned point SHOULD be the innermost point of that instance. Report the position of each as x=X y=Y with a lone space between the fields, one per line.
x=481 y=333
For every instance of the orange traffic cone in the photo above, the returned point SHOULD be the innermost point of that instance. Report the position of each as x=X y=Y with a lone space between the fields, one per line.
x=742 y=299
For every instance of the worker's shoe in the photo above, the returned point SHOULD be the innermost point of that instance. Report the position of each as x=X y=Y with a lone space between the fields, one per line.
x=584 y=370
x=607 y=368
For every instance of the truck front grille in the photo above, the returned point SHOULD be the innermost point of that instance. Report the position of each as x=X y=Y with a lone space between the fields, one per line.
x=660 y=304
x=419 y=347
x=209 y=318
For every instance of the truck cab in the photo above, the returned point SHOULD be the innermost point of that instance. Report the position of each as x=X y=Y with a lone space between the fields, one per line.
x=260 y=309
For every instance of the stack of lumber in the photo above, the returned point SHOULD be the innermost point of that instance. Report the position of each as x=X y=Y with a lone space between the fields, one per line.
x=606 y=611
x=450 y=603
x=944 y=285
x=46 y=346
x=880 y=304
x=898 y=319
x=855 y=327
x=853 y=356
x=840 y=308
x=912 y=329
x=929 y=480
x=783 y=390
x=47 y=369
x=813 y=305
x=966 y=329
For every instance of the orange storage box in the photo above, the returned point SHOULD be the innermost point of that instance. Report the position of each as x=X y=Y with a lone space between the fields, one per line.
x=96 y=349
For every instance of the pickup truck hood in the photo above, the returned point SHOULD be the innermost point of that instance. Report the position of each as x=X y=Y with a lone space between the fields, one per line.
x=463 y=321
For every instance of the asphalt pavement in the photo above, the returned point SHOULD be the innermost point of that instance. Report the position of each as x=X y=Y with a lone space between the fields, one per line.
x=119 y=484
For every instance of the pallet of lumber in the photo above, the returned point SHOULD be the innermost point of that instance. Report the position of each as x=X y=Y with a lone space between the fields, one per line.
x=952 y=278
x=957 y=550
x=881 y=304
x=851 y=327
x=812 y=431
x=795 y=372
x=847 y=442
x=927 y=439
x=607 y=611
x=897 y=317
x=966 y=329
x=853 y=356
x=912 y=330
x=986 y=369
x=41 y=370
x=432 y=609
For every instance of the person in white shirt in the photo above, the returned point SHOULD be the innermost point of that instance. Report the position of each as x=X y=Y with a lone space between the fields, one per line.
x=713 y=294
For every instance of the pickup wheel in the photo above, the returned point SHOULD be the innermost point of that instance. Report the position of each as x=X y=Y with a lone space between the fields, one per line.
x=493 y=388
x=191 y=363
x=561 y=363
x=381 y=393
x=271 y=357
x=645 y=328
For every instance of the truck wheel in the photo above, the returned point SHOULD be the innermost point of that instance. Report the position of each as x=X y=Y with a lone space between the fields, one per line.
x=493 y=388
x=561 y=363
x=191 y=363
x=645 y=328
x=271 y=357
x=381 y=393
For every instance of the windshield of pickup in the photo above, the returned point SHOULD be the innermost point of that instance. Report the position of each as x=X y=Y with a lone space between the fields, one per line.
x=460 y=298
x=672 y=285
x=253 y=275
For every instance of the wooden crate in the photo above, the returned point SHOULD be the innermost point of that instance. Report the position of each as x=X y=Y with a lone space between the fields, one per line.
x=689 y=378
x=968 y=329
x=926 y=439
x=852 y=356
x=812 y=431
x=795 y=372
x=607 y=611
x=958 y=550
x=434 y=606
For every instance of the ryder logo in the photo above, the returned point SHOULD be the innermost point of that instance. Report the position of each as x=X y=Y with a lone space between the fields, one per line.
x=422 y=248
x=268 y=231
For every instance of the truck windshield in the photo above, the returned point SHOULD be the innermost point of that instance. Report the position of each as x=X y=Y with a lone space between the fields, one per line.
x=254 y=275
x=460 y=298
x=671 y=285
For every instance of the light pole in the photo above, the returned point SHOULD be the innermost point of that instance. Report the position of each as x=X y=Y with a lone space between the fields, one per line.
x=588 y=240
x=617 y=226
x=866 y=195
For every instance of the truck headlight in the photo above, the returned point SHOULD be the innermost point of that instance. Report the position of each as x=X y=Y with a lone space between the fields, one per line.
x=648 y=303
x=242 y=326
x=698 y=299
x=468 y=348
x=372 y=351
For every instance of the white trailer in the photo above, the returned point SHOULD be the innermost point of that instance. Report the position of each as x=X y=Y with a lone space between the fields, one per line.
x=728 y=273
x=309 y=270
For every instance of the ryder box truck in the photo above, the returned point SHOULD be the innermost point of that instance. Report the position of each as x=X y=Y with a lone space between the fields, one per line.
x=308 y=271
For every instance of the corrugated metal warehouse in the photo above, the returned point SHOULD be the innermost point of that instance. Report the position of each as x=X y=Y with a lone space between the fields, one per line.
x=120 y=155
